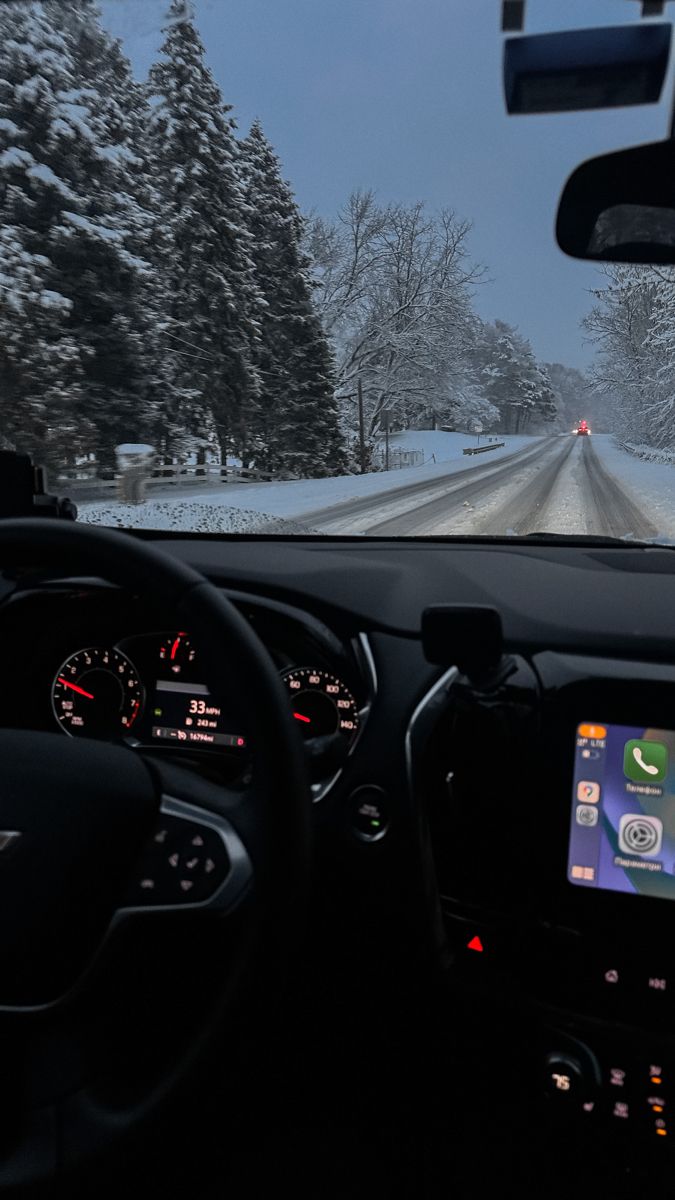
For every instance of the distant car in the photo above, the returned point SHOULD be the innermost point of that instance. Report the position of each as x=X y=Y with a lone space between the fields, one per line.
x=583 y=428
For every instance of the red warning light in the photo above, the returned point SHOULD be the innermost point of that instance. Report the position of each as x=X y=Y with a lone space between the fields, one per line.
x=475 y=944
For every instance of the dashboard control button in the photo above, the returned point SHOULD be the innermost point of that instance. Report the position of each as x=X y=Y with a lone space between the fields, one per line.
x=611 y=990
x=369 y=813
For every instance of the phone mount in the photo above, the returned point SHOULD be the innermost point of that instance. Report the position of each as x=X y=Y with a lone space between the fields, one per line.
x=23 y=490
x=469 y=637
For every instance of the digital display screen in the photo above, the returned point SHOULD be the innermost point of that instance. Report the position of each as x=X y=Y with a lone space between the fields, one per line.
x=187 y=713
x=622 y=835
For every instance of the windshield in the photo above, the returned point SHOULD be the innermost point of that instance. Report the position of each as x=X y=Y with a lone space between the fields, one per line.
x=287 y=266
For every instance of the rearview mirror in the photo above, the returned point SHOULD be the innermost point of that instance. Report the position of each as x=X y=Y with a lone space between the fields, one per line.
x=586 y=68
x=621 y=207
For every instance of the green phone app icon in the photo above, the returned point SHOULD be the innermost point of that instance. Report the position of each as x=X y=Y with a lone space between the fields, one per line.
x=645 y=762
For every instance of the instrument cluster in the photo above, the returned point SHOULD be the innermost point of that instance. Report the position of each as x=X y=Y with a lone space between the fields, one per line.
x=149 y=690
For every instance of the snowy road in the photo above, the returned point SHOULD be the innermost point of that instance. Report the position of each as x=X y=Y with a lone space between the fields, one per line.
x=558 y=485
x=570 y=492
x=418 y=507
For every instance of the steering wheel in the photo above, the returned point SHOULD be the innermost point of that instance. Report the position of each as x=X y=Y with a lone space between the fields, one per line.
x=97 y=840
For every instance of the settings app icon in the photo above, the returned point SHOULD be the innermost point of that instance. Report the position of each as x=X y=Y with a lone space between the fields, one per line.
x=640 y=834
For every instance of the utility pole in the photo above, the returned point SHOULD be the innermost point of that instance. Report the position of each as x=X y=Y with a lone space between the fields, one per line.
x=362 y=435
x=384 y=422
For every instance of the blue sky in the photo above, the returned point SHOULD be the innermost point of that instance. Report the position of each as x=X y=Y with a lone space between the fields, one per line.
x=405 y=97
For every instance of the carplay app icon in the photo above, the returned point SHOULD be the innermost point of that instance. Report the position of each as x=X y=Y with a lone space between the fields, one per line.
x=645 y=762
x=588 y=793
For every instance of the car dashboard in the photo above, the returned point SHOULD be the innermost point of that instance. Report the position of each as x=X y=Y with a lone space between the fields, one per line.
x=472 y=830
x=93 y=662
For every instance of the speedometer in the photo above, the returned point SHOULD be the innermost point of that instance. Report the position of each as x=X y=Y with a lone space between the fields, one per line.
x=97 y=693
x=322 y=703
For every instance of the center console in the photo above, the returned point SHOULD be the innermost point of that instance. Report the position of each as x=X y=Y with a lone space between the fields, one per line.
x=550 y=790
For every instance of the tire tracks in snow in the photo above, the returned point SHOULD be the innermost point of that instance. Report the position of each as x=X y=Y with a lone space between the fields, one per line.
x=531 y=508
x=455 y=511
x=415 y=507
x=611 y=509
x=572 y=494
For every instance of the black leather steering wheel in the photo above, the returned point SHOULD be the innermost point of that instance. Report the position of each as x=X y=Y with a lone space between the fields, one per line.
x=96 y=839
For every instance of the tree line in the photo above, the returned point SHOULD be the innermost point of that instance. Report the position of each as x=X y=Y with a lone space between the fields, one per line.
x=159 y=284
x=631 y=324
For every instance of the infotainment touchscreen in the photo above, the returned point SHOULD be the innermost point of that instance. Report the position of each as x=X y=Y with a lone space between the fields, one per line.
x=622 y=834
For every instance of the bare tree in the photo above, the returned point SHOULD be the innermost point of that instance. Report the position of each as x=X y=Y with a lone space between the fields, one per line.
x=394 y=288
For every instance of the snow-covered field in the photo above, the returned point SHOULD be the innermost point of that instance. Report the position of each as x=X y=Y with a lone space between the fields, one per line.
x=236 y=508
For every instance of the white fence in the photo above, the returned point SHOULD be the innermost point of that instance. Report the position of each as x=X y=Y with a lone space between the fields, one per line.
x=171 y=475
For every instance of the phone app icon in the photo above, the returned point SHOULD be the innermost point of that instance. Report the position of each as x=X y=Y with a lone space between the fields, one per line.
x=640 y=834
x=588 y=793
x=587 y=814
x=645 y=762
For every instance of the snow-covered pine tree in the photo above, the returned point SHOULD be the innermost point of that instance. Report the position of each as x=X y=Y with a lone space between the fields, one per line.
x=105 y=68
x=208 y=272
x=66 y=160
x=513 y=381
x=40 y=369
x=299 y=429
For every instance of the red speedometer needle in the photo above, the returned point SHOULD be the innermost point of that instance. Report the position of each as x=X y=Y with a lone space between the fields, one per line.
x=299 y=717
x=75 y=688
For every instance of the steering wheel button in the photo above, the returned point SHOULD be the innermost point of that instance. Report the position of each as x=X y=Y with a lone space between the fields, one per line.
x=209 y=866
x=198 y=840
x=187 y=885
x=174 y=860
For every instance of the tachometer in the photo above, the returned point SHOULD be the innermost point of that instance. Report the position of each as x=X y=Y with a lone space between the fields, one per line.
x=322 y=704
x=97 y=693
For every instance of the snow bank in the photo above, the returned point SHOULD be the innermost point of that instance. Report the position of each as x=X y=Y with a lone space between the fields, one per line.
x=649 y=453
x=188 y=516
